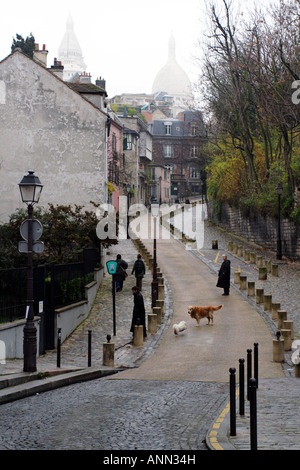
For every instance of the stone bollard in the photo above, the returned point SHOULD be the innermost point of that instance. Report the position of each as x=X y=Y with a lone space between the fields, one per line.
x=214 y=244
x=138 y=335
x=259 y=261
x=243 y=282
x=161 y=291
x=108 y=354
x=282 y=316
x=234 y=248
x=275 y=270
x=278 y=350
x=230 y=247
x=259 y=296
x=160 y=303
x=275 y=308
x=262 y=273
x=289 y=325
x=157 y=312
x=252 y=258
x=152 y=323
x=268 y=265
x=287 y=340
x=251 y=288
x=240 y=251
x=267 y=302
x=246 y=255
x=237 y=276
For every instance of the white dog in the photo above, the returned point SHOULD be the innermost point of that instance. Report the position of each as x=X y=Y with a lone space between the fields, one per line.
x=177 y=328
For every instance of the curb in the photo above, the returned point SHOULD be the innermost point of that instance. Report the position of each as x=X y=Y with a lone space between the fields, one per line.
x=25 y=385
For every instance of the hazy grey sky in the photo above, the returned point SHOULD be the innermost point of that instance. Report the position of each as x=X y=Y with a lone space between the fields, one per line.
x=126 y=42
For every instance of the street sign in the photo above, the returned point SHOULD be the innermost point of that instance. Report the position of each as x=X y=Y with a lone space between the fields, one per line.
x=111 y=266
x=37 y=247
x=37 y=229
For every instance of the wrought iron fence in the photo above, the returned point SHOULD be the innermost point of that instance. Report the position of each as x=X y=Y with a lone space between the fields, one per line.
x=55 y=285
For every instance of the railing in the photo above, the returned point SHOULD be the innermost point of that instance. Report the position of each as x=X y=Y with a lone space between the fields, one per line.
x=55 y=285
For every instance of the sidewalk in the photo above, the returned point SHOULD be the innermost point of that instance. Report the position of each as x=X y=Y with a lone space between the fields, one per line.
x=277 y=399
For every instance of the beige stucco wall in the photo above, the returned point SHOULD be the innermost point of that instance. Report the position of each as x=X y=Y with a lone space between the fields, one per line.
x=47 y=127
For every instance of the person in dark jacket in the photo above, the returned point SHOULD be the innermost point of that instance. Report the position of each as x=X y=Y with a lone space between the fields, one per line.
x=120 y=273
x=139 y=271
x=138 y=314
x=224 y=275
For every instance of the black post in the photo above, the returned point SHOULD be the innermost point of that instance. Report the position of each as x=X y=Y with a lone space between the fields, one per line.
x=256 y=363
x=58 y=347
x=114 y=303
x=253 y=417
x=30 y=333
x=249 y=370
x=242 y=386
x=232 y=402
x=154 y=285
x=90 y=349
x=279 y=248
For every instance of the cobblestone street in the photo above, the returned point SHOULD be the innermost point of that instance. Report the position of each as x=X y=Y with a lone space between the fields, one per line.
x=147 y=407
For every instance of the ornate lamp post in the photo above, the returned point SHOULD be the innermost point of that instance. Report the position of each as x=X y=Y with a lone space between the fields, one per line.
x=154 y=284
x=30 y=189
x=279 y=250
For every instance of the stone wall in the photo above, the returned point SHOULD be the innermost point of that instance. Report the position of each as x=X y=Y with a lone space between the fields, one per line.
x=258 y=229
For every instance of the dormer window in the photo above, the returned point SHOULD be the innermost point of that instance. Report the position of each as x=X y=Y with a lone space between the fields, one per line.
x=168 y=128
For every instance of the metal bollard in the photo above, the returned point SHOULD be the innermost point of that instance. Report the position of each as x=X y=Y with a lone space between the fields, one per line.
x=249 y=370
x=253 y=415
x=90 y=348
x=242 y=386
x=58 y=347
x=232 y=402
x=256 y=363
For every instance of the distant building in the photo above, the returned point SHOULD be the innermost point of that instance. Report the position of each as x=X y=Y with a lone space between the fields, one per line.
x=70 y=53
x=177 y=146
x=172 y=83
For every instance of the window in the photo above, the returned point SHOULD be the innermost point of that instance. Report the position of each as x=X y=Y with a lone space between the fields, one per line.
x=168 y=150
x=170 y=168
x=168 y=129
x=194 y=173
x=193 y=129
x=128 y=142
x=193 y=151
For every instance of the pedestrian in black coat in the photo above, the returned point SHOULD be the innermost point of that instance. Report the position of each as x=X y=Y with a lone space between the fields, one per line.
x=139 y=271
x=224 y=275
x=138 y=314
x=120 y=272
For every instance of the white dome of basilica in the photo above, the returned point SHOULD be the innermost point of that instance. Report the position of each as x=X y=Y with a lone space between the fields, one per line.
x=172 y=79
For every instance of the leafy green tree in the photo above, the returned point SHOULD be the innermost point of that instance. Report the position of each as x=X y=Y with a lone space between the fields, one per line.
x=27 y=45
x=66 y=232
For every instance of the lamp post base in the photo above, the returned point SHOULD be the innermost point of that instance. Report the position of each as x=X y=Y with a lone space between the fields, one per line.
x=30 y=347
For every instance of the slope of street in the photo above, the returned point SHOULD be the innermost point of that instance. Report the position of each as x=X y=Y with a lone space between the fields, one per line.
x=203 y=353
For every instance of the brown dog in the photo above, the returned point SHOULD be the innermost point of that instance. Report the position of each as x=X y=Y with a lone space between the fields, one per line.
x=201 y=312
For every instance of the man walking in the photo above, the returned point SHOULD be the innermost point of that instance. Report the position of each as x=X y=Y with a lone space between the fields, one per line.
x=139 y=271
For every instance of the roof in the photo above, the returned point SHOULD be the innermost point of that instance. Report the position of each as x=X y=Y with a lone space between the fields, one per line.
x=87 y=88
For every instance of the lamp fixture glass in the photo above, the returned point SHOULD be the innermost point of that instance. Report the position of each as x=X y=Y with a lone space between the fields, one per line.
x=155 y=209
x=30 y=188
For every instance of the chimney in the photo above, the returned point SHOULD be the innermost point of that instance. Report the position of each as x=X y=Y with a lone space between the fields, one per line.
x=101 y=83
x=57 y=69
x=85 y=77
x=40 y=56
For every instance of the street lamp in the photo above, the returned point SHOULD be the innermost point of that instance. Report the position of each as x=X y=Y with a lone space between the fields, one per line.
x=279 y=250
x=154 y=284
x=30 y=189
